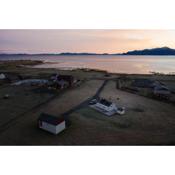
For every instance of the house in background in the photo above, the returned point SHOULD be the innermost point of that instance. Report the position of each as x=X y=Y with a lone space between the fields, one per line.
x=62 y=84
x=63 y=80
x=51 y=123
x=68 y=78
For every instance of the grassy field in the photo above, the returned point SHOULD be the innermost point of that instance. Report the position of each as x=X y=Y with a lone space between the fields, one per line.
x=24 y=131
x=21 y=100
x=146 y=122
x=154 y=119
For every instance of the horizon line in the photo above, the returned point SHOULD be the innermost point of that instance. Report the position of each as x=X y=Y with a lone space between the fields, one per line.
x=78 y=53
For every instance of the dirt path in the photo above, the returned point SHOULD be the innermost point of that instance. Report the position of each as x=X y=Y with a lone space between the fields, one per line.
x=86 y=102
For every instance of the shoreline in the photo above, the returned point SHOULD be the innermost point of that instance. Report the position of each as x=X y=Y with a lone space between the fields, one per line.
x=32 y=64
x=96 y=70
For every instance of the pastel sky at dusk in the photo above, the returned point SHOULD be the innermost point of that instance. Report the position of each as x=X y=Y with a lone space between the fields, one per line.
x=97 y=41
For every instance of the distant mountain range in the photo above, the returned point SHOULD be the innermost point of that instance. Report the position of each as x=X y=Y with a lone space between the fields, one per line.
x=44 y=54
x=154 y=51
x=83 y=53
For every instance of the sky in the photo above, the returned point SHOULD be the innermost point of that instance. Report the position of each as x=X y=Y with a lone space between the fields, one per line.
x=94 y=41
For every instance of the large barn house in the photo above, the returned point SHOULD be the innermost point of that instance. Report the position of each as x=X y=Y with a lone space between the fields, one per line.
x=106 y=107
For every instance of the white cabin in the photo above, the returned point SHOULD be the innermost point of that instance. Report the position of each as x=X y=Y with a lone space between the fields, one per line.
x=51 y=124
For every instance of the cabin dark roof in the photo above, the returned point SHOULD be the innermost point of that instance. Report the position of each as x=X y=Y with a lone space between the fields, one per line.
x=51 y=119
x=105 y=102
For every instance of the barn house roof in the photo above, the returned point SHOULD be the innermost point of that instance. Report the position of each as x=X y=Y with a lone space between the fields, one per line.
x=105 y=102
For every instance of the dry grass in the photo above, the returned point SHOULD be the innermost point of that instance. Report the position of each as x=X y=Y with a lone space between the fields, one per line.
x=24 y=131
x=146 y=121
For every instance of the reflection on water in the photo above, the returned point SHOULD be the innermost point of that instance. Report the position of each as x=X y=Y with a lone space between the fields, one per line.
x=115 y=64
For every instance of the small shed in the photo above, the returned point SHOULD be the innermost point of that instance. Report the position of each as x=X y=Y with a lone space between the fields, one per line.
x=51 y=123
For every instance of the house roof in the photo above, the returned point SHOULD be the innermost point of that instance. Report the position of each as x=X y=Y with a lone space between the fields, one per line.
x=105 y=102
x=51 y=119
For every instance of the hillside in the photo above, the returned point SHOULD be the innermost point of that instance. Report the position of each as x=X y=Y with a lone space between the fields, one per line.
x=154 y=51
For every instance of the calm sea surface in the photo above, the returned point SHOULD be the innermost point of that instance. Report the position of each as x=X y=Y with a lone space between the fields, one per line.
x=115 y=64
